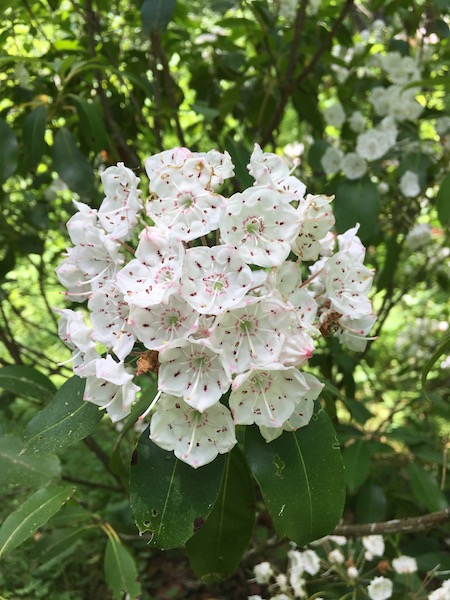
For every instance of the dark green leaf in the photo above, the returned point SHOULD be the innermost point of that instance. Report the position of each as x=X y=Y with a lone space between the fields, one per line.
x=120 y=570
x=443 y=202
x=66 y=420
x=240 y=157
x=168 y=497
x=71 y=165
x=301 y=478
x=26 y=471
x=156 y=14
x=33 y=136
x=31 y=515
x=371 y=504
x=357 y=463
x=92 y=124
x=425 y=488
x=216 y=550
x=26 y=381
x=9 y=150
x=357 y=202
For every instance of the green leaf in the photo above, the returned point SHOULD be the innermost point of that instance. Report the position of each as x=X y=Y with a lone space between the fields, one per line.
x=156 y=14
x=26 y=381
x=442 y=349
x=425 y=488
x=301 y=478
x=33 y=136
x=65 y=420
x=385 y=277
x=71 y=165
x=240 y=157
x=31 y=515
x=216 y=550
x=443 y=202
x=371 y=504
x=357 y=462
x=120 y=570
x=9 y=151
x=357 y=202
x=92 y=124
x=26 y=471
x=168 y=497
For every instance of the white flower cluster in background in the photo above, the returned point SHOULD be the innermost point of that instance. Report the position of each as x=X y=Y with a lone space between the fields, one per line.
x=222 y=298
x=338 y=567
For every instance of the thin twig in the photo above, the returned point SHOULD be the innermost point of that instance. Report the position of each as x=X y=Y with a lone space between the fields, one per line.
x=409 y=525
x=92 y=484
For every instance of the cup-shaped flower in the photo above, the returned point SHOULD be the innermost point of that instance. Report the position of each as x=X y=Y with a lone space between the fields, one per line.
x=261 y=224
x=195 y=437
x=272 y=170
x=183 y=202
x=74 y=331
x=380 y=588
x=214 y=279
x=109 y=316
x=112 y=388
x=164 y=323
x=266 y=396
x=194 y=371
x=347 y=284
x=252 y=334
x=317 y=219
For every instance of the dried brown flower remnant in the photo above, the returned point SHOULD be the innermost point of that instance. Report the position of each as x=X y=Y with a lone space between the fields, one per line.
x=148 y=362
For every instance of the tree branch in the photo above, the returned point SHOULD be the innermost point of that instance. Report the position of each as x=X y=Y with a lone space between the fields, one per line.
x=409 y=525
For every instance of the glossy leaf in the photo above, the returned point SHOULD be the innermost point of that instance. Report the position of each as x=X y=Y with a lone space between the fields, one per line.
x=9 y=151
x=31 y=515
x=357 y=202
x=443 y=202
x=120 y=570
x=27 y=382
x=357 y=462
x=168 y=497
x=301 y=478
x=33 y=135
x=216 y=550
x=426 y=488
x=71 y=165
x=23 y=470
x=371 y=504
x=66 y=420
x=92 y=123
x=156 y=14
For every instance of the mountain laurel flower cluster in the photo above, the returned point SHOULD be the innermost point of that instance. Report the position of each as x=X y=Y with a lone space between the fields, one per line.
x=223 y=298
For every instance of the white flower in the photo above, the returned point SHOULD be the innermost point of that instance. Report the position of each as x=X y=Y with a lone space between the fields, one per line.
x=336 y=557
x=269 y=169
x=347 y=284
x=266 y=396
x=183 y=202
x=380 y=588
x=252 y=334
x=419 y=235
x=334 y=114
x=409 y=184
x=317 y=219
x=109 y=318
x=353 y=166
x=192 y=370
x=372 y=144
x=442 y=593
x=331 y=160
x=311 y=562
x=156 y=326
x=195 y=437
x=357 y=122
x=374 y=545
x=214 y=279
x=340 y=540
x=112 y=388
x=263 y=572
x=73 y=330
x=352 y=572
x=404 y=564
x=282 y=582
x=261 y=225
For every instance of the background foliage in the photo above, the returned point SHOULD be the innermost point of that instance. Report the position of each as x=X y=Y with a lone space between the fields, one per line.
x=86 y=84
